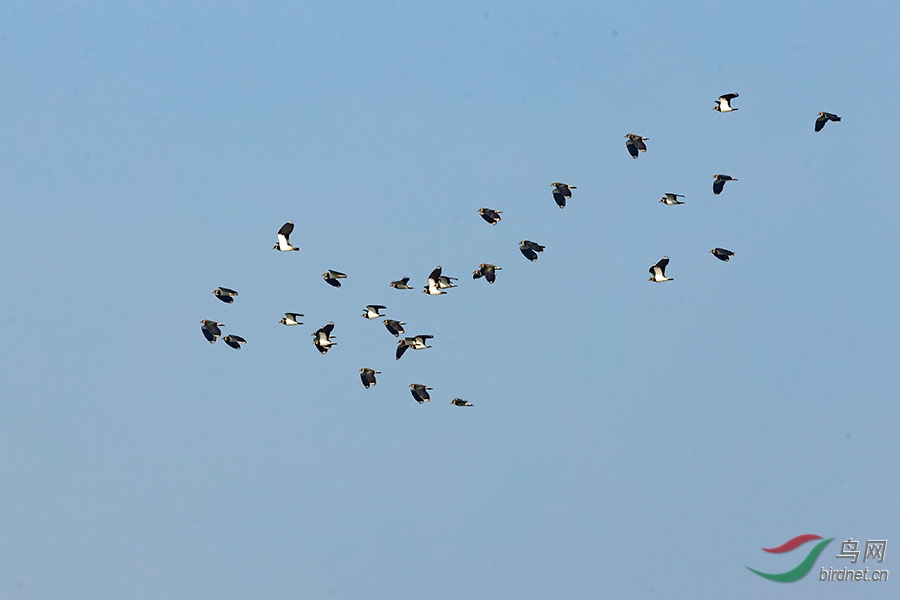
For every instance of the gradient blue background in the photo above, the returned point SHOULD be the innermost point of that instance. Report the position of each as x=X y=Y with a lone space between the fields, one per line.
x=628 y=440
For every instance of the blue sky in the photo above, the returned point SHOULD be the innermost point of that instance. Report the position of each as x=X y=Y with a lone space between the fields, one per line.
x=628 y=439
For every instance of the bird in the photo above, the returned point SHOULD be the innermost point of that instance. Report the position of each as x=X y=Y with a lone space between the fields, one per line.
x=445 y=282
x=562 y=191
x=672 y=199
x=234 y=341
x=530 y=250
x=401 y=284
x=823 y=118
x=723 y=104
x=371 y=311
x=719 y=183
x=291 y=319
x=635 y=143
x=322 y=338
x=659 y=271
x=490 y=215
x=420 y=392
x=722 y=254
x=460 y=402
x=224 y=294
x=331 y=277
x=211 y=330
x=284 y=234
x=394 y=327
x=402 y=346
x=434 y=283
x=416 y=343
x=486 y=270
x=368 y=376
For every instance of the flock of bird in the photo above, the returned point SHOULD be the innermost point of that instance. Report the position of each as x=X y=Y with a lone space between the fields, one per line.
x=438 y=283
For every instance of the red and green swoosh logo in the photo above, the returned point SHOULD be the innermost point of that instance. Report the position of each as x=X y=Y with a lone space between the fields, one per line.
x=800 y=571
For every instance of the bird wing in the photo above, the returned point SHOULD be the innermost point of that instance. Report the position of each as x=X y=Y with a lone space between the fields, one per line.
x=640 y=144
x=327 y=329
x=228 y=291
x=210 y=337
x=435 y=275
x=286 y=230
x=401 y=348
x=559 y=197
x=718 y=186
x=632 y=148
x=528 y=253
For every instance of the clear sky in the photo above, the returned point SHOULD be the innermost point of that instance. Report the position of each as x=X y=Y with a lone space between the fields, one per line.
x=628 y=439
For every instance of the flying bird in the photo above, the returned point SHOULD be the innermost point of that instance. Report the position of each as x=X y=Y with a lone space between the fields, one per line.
x=659 y=271
x=284 y=234
x=447 y=282
x=368 y=376
x=371 y=311
x=211 y=330
x=420 y=392
x=331 y=277
x=486 y=270
x=401 y=284
x=416 y=343
x=634 y=144
x=561 y=192
x=394 y=327
x=672 y=199
x=224 y=294
x=723 y=104
x=460 y=402
x=434 y=283
x=291 y=319
x=322 y=338
x=530 y=250
x=234 y=341
x=823 y=118
x=722 y=254
x=490 y=215
x=719 y=183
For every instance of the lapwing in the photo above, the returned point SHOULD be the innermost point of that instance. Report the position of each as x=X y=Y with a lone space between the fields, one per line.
x=672 y=199
x=490 y=215
x=530 y=250
x=331 y=277
x=486 y=270
x=284 y=234
x=394 y=327
x=224 y=294
x=322 y=338
x=401 y=284
x=722 y=254
x=445 y=282
x=434 y=283
x=234 y=341
x=659 y=271
x=372 y=311
x=368 y=376
x=211 y=330
x=416 y=343
x=420 y=392
x=823 y=118
x=561 y=192
x=460 y=402
x=634 y=144
x=719 y=183
x=291 y=319
x=723 y=104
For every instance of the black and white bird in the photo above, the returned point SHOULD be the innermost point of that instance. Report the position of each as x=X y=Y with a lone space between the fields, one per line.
x=635 y=143
x=460 y=402
x=486 y=270
x=823 y=118
x=322 y=338
x=490 y=215
x=658 y=271
x=291 y=319
x=401 y=284
x=671 y=199
x=224 y=294
x=416 y=343
x=723 y=104
x=211 y=330
x=530 y=250
x=284 y=234
x=368 y=376
x=420 y=392
x=332 y=277
x=561 y=192
x=719 y=183
x=234 y=341
x=722 y=254
x=394 y=327
x=371 y=311
x=434 y=283
x=446 y=283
